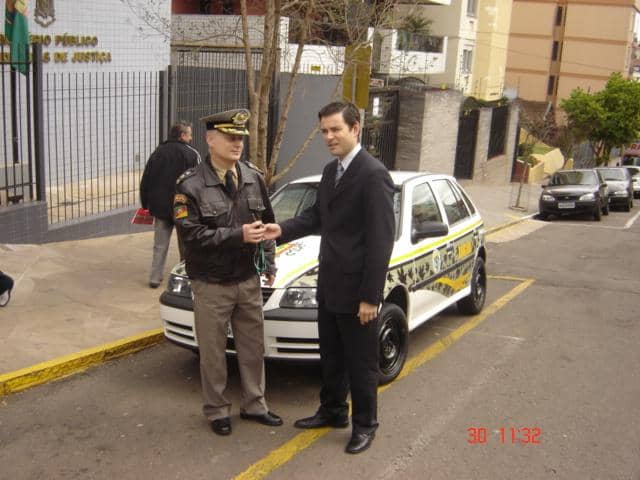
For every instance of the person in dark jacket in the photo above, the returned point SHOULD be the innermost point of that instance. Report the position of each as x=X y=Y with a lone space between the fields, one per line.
x=157 y=187
x=219 y=209
x=6 y=285
x=354 y=214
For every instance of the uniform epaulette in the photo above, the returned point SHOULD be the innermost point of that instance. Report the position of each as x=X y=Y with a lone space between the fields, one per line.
x=254 y=167
x=186 y=174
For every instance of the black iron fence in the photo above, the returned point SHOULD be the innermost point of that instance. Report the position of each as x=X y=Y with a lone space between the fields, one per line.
x=209 y=80
x=18 y=98
x=99 y=130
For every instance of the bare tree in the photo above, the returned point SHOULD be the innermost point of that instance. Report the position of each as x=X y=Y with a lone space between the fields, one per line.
x=318 y=22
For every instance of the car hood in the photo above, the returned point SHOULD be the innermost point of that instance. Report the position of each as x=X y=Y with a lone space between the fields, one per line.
x=297 y=263
x=615 y=185
x=570 y=189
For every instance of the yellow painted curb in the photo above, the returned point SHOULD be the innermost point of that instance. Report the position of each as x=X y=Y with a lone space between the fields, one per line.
x=76 y=362
x=509 y=223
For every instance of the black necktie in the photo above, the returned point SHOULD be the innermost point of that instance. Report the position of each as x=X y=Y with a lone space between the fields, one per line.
x=230 y=184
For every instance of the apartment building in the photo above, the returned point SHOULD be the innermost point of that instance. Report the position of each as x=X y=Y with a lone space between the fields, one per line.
x=557 y=46
x=492 y=39
x=458 y=22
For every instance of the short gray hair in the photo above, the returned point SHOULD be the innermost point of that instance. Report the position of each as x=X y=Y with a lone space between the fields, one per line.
x=178 y=128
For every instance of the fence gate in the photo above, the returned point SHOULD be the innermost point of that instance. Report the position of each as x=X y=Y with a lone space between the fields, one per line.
x=380 y=131
x=466 y=147
x=210 y=80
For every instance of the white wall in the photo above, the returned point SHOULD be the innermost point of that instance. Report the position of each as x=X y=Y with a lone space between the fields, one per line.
x=128 y=35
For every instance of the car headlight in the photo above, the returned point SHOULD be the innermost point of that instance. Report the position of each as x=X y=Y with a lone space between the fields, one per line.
x=587 y=197
x=621 y=193
x=547 y=198
x=179 y=286
x=299 y=298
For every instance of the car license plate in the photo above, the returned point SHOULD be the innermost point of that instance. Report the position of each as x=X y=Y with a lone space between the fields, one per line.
x=229 y=332
x=566 y=204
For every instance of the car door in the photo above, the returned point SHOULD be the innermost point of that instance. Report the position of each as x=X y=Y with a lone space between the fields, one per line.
x=462 y=241
x=428 y=255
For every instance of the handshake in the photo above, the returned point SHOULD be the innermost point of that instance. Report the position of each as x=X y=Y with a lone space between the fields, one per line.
x=257 y=231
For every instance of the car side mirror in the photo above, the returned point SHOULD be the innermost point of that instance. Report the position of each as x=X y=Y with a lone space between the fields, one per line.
x=427 y=229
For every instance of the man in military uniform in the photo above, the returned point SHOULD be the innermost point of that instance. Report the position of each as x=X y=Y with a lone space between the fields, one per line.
x=218 y=209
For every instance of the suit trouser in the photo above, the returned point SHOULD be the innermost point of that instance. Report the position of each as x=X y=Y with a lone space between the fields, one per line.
x=161 y=238
x=349 y=358
x=215 y=305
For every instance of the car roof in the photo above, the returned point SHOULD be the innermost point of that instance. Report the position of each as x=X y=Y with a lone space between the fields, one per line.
x=399 y=177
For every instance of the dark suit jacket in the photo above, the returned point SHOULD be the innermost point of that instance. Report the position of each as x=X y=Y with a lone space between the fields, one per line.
x=357 y=227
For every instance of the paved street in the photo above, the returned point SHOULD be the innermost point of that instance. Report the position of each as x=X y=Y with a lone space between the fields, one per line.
x=553 y=364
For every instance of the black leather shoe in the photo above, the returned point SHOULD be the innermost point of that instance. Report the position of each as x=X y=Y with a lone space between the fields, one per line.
x=221 y=426
x=269 y=418
x=360 y=442
x=320 y=420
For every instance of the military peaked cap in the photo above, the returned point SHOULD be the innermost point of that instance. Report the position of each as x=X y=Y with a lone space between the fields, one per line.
x=233 y=122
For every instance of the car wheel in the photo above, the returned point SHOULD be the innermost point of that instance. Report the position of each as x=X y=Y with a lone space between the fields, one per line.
x=597 y=213
x=473 y=303
x=628 y=205
x=393 y=342
x=543 y=216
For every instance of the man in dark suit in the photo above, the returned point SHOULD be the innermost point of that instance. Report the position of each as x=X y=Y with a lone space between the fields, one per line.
x=354 y=215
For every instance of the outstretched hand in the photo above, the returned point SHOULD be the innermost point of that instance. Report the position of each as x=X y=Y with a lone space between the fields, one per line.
x=272 y=231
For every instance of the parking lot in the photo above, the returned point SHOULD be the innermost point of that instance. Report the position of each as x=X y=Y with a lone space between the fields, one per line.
x=543 y=384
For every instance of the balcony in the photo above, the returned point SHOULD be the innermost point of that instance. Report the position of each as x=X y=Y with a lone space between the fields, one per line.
x=402 y=53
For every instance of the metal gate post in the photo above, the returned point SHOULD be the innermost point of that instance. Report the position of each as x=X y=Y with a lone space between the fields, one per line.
x=38 y=123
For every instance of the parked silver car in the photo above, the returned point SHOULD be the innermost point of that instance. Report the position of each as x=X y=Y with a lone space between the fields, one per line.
x=620 y=186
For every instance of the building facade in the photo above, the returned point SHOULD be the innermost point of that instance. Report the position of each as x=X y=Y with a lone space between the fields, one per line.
x=557 y=46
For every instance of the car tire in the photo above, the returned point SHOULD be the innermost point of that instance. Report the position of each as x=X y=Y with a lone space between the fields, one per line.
x=543 y=216
x=393 y=342
x=597 y=213
x=474 y=302
x=628 y=205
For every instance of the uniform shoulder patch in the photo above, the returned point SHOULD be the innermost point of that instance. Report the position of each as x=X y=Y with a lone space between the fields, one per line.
x=179 y=198
x=186 y=174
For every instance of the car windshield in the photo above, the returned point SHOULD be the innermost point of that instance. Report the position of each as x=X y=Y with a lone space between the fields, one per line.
x=633 y=171
x=613 y=173
x=294 y=198
x=574 y=178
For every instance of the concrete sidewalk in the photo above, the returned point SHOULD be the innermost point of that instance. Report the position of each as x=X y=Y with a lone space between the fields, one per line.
x=73 y=296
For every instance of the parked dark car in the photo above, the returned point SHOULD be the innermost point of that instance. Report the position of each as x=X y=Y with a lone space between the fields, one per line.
x=573 y=192
x=620 y=186
x=635 y=178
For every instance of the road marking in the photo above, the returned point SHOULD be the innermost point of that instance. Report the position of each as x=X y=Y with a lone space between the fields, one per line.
x=76 y=362
x=283 y=454
x=631 y=220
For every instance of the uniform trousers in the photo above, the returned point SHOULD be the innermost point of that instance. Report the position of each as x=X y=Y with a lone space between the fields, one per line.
x=215 y=306
x=349 y=360
x=161 y=238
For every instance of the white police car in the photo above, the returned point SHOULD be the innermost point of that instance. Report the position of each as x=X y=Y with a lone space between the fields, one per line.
x=438 y=259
